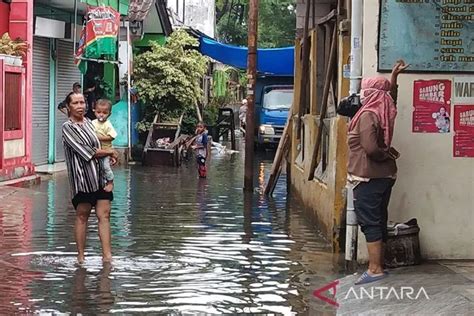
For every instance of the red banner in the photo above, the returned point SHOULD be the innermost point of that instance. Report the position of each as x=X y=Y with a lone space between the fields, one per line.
x=464 y=131
x=432 y=106
x=102 y=21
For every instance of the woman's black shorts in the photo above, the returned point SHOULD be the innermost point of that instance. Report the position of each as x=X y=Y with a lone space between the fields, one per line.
x=91 y=198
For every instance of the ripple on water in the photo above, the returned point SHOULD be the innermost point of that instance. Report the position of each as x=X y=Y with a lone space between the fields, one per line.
x=202 y=248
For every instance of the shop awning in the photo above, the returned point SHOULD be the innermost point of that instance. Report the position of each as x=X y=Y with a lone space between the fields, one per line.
x=276 y=61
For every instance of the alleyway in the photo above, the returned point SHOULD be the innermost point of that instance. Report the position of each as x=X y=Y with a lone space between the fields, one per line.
x=180 y=245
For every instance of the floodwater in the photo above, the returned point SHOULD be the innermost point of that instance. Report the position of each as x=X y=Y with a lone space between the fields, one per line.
x=181 y=245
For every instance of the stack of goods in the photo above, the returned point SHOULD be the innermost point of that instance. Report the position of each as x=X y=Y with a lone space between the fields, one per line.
x=163 y=142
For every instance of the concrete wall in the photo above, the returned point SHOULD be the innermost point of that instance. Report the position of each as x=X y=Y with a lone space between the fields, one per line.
x=323 y=7
x=198 y=14
x=14 y=148
x=432 y=186
x=323 y=196
x=4 y=17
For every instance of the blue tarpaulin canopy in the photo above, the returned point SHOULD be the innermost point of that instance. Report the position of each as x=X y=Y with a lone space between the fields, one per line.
x=276 y=61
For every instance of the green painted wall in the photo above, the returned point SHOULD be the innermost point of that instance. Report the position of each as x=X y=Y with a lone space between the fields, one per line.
x=110 y=75
x=120 y=121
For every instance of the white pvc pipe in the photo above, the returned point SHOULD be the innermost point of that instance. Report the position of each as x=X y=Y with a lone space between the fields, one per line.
x=129 y=105
x=356 y=45
x=351 y=226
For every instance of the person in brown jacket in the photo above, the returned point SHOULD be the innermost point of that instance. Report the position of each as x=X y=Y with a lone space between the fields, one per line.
x=372 y=168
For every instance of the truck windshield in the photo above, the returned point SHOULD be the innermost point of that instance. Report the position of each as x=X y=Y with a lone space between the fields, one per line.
x=278 y=99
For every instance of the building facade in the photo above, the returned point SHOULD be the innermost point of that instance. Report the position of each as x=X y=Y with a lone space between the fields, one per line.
x=434 y=185
x=197 y=14
x=15 y=95
x=436 y=168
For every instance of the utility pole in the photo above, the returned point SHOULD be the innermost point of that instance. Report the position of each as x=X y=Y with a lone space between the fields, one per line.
x=252 y=78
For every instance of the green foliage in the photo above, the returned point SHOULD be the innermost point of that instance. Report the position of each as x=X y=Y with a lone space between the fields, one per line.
x=228 y=85
x=190 y=121
x=168 y=78
x=220 y=79
x=276 y=27
x=210 y=114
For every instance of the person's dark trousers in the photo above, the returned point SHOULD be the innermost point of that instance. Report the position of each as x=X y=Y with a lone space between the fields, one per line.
x=371 y=201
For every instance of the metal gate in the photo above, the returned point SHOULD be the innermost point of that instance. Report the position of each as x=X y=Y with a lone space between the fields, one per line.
x=67 y=74
x=40 y=112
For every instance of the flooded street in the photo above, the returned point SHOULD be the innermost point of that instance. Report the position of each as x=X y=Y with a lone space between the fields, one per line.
x=181 y=246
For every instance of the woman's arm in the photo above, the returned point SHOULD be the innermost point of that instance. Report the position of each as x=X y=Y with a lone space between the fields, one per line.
x=399 y=67
x=368 y=134
x=85 y=151
x=100 y=153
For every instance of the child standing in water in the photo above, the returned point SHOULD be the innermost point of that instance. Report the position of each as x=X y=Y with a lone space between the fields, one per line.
x=200 y=145
x=106 y=134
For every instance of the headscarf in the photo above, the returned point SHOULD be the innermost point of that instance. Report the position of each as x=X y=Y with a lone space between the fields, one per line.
x=375 y=95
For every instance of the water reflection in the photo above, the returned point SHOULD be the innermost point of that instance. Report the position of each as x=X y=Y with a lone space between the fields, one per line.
x=181 y=245
x=88 y=286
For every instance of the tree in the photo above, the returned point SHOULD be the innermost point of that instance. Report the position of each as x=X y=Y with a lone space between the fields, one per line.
x=277 y=22
x=168 y=78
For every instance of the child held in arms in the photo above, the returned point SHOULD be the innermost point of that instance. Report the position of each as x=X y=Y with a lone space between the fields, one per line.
x=106 y=134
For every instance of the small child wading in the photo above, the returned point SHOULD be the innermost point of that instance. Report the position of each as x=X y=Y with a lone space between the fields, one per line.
x=200 y=146
x=106 y=134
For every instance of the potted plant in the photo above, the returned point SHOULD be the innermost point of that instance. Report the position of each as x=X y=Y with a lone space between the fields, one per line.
x=12 y=50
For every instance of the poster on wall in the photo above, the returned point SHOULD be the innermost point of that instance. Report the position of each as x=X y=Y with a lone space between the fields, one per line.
x=436 y=35
x=464 y=130
x=431 y=106
x=463 y=99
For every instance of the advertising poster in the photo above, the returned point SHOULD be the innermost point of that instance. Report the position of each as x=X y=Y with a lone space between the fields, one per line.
x=464 y=131
x=432 y=106
x=463 y=99
x=436 y=35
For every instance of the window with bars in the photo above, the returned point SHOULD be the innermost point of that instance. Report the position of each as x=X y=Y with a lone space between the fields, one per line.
x=12 y=101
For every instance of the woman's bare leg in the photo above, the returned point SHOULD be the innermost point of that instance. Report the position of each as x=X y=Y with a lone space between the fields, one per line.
x=102 y=211
x=80 y=229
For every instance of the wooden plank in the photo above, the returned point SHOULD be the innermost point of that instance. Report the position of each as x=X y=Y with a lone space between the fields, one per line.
x=314 y=74
x=344 y=52
x=327 y=18
x=327 y=84
x=297 y=87
x=282 y=149
x=305 y=68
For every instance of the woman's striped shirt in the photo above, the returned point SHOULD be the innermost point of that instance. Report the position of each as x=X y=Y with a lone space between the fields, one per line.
x=80 y=145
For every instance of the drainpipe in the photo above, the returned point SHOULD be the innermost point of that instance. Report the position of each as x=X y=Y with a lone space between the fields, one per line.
x=356 y=45
x=351 y=226
x=129 y=86
x=74 y=39
x=356 y=76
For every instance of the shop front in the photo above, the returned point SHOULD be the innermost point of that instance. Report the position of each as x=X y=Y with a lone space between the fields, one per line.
x=15 y=95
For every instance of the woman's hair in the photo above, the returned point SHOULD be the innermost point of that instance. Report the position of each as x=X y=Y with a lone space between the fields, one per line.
x=201 y=123
x=69 y=97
